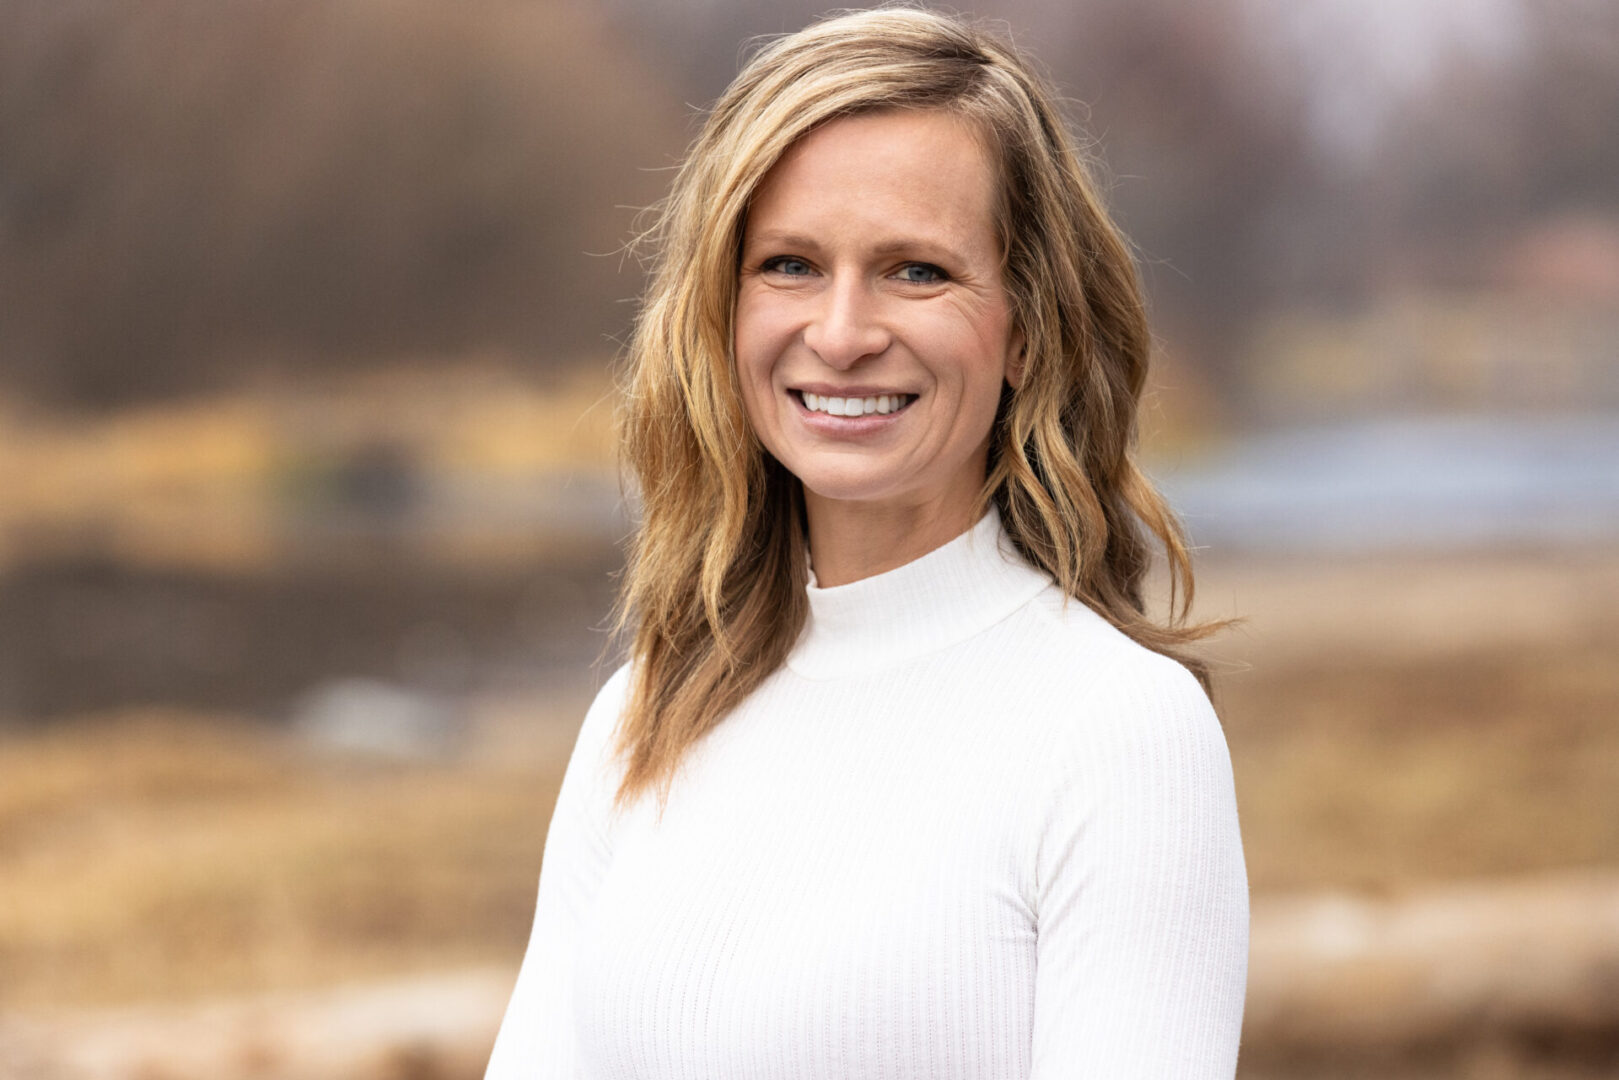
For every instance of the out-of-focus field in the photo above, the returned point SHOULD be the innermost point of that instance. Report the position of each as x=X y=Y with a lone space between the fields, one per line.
x=1400 y=725
x=1393 y=722
x=463 y=463
x=164 y=854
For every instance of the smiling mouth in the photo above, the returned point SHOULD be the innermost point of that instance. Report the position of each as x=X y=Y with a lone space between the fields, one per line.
x=882 y=404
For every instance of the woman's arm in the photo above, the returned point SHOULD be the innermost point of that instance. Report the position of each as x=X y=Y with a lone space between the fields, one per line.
x=1142 y=931
x=536 y=1040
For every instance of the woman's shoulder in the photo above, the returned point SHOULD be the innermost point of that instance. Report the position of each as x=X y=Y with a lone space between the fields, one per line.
x=1069 y=631
x=1087 y=666
x=598 y=733
x=611 y=698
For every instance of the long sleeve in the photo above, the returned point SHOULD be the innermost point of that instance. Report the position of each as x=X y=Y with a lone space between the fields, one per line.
x=1141 y=891
x=537 y=1038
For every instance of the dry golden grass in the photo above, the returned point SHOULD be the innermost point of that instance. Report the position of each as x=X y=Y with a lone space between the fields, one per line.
x=159 y=854
x=164 y=854
x=155 y=855
x=208 y=481
x=1372 y=775
x=1423 y=717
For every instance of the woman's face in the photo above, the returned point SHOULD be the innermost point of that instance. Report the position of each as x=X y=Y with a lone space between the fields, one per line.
x=873 y=331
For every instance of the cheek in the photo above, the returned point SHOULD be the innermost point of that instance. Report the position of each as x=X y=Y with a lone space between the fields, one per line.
x=979 y=412
x=753 y=328
x=754 y=367
x=981 y=374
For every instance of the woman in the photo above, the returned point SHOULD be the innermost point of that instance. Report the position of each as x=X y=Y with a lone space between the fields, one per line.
x=899 y=780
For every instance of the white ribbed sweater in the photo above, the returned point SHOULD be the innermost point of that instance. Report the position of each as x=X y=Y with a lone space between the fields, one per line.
x=970 y=830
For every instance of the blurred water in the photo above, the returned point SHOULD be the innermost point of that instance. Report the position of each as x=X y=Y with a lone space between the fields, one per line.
x=1406 y=483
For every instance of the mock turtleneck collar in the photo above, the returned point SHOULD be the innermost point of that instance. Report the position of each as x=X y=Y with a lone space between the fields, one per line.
x=944 y=597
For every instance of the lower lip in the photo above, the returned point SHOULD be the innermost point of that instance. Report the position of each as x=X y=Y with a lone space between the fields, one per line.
x=847 y=426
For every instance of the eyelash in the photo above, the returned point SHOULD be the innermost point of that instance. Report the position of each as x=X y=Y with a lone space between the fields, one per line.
x=938 y=274
x=776 y=263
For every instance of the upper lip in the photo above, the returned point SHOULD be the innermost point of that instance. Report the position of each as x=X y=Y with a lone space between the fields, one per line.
x=825 y=390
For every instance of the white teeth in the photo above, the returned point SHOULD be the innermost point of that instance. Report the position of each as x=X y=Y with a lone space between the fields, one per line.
x=853 y=406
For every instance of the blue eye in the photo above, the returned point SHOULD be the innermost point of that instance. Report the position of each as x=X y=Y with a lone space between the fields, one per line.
x=786 y=264
x=923 y=274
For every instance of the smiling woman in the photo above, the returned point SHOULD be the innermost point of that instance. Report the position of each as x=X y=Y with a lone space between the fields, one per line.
x=871 y=272
x=900 y=779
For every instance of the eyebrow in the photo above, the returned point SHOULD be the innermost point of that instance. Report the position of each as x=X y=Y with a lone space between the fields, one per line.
x=918 y=246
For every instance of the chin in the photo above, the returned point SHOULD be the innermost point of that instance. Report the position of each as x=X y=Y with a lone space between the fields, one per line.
x=847 y=485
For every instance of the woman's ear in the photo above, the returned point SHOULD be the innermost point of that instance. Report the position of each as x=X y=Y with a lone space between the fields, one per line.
x=1017 y=355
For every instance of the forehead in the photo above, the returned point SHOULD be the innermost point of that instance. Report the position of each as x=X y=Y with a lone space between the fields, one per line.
x=925 y=170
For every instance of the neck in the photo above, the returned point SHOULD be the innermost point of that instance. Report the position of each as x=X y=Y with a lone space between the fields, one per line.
x=947 y=595
x=849 y=541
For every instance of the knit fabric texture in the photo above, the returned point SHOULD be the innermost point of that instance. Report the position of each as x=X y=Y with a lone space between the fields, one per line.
x=970 y=830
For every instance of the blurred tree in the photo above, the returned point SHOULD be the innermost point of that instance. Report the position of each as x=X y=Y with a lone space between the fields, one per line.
x=1206 y=142
x=189 y=186
x=1571 y=105
x=1495 y=146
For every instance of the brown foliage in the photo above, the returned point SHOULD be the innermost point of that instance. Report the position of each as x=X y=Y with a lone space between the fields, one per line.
x=292 y=183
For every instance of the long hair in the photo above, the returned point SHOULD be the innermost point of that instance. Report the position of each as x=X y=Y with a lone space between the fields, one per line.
x=714 y=590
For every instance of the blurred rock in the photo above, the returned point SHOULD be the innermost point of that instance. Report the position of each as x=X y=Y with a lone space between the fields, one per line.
x=433 y=1027
x=372 y=718
x=1534 y=961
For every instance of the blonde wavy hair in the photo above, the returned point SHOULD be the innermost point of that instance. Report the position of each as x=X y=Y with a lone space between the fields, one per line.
x=714 y=590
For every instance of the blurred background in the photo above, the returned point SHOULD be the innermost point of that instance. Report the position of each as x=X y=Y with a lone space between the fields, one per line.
x=309 y=519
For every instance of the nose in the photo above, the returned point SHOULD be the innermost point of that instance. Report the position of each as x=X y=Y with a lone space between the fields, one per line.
x=845 y=327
